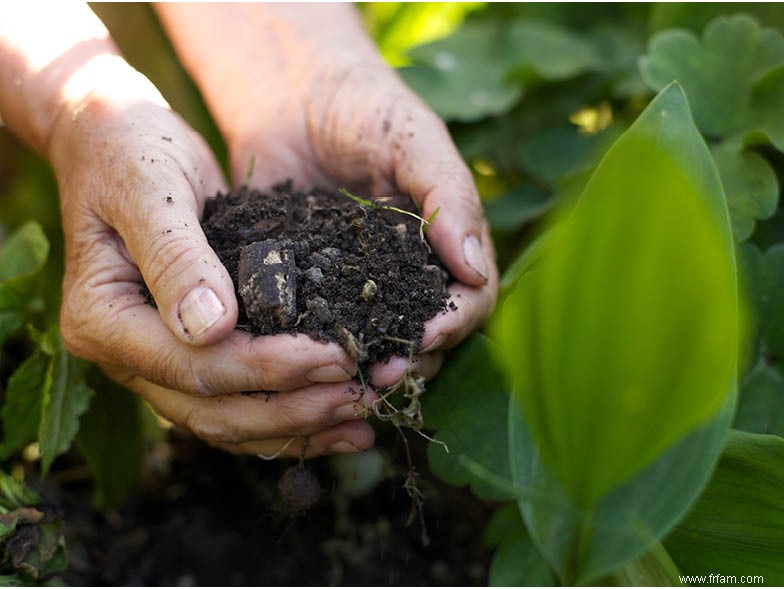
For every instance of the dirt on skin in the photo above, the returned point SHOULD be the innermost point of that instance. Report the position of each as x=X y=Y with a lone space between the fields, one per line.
x=322 y=264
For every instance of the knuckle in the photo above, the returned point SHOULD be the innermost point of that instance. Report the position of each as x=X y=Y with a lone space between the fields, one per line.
x=168 y=256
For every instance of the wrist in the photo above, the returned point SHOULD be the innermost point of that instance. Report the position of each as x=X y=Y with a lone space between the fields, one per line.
x=96 y=96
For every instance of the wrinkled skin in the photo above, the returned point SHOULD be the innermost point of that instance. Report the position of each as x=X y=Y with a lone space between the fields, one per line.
x=133 y=179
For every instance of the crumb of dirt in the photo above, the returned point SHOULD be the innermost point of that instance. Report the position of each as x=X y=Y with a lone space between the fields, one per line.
x=321 y=264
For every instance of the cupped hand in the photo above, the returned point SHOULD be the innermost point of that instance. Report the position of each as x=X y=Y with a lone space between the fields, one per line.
x=361 y=127
x=133 y=178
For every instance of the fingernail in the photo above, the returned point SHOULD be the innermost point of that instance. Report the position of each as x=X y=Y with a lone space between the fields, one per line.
x=473 y=255
x=344 y=447
x=349 y=411
x=437 y=343
x=199 y=310
x=328 y=373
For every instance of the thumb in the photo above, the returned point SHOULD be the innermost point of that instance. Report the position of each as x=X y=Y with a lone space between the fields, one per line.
x=191 y=287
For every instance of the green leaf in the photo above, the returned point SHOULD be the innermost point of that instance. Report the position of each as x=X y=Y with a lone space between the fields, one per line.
x=766 y=112
x=624 y=339
x=110 y=439
x=750 y=185
x=761 y=401
x=717 y=71
x=520 y=564
x=764 y=276
x=14 y=494
x=584 y=545
x=653 y=569
x=23 y=402
x=561 y=151
x=24 y=252
x=11 y=315
x=517 y=561
x=736 y=527
x=516 y=208
x=466 y=404
x=551 y=52
x=66 y=399
x=453 y=77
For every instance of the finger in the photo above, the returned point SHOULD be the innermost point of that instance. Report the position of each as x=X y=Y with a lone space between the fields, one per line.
x=389 y=373
x=238 y=418
x=348 y=437
x=427 y=165
x=159 y=223
x=471 y=308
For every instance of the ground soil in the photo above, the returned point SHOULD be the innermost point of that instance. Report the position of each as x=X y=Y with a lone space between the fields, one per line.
x=214 y=519
x=325 y=265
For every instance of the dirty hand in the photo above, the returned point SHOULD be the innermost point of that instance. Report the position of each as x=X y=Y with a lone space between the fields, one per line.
x=302 y=92
x=132 y=179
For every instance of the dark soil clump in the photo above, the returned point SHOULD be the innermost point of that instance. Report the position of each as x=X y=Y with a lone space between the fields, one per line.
x=322 y=264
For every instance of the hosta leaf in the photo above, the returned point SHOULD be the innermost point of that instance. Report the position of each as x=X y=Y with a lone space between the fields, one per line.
x=465 y=404
x=716 y=71
x=736 y=528
x=761 y=401
x=584 y=545
x=23 y=402
x=750 y=185
x=110 y=439
x=24 y=252
x=625 y=338
x=66 y=399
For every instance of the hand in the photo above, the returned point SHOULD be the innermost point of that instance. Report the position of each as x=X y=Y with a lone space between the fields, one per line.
x=302 y=92
x=133 y=178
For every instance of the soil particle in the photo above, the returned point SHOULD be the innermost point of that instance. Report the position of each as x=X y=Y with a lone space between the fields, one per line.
x=324 y=265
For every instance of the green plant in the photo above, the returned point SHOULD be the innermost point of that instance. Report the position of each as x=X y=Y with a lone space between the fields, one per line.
x=621 y=222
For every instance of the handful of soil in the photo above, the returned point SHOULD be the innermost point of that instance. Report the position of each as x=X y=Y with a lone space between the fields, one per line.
x=321 y=264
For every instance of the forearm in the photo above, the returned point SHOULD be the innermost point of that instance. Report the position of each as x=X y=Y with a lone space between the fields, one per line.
x=258 y=60
x=50 y=63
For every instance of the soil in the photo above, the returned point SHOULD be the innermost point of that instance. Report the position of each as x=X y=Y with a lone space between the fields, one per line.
x=323 y=264
x=209 y=518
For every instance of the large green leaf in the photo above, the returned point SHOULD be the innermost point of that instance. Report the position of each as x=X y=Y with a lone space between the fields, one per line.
x=466 y=404
x=584 y=545
x=66 y=399
x=717 y=72
x=737 y=526
x=750 y=185
x=625 y=338
x=110 y=439
x=23 y=402
x=766 y=111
